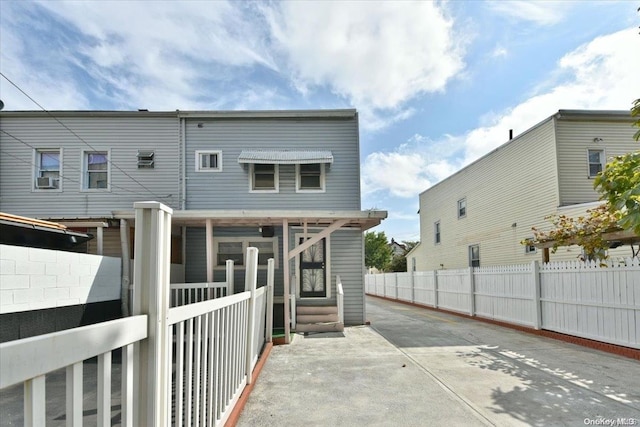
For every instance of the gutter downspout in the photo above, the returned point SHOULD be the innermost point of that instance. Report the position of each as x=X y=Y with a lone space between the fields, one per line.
x=183 y=137
x=126 y=267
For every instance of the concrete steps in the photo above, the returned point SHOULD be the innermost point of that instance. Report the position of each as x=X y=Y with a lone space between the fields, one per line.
x=318 y=319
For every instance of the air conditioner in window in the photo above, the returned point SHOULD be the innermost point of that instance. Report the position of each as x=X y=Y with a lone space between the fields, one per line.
x=46 y=182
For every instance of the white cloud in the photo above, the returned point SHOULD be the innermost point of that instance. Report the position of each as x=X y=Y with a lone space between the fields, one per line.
x=499 y=52
x=158 y=55
x=412 y=167
x=601 y=74
x=537 y=12
x=378 y=55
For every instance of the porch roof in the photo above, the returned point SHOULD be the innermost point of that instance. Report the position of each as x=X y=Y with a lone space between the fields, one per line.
x=285 y=157
x=363 y=220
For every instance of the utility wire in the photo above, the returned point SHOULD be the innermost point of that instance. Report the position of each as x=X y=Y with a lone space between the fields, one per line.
x=70 y=167
x=75 y=134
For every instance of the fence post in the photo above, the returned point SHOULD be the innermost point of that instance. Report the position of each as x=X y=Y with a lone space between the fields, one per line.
x=251 y=279
x=435 y=288
x=269 y=310
x=151 y=297
x=230 y=277
x=472 y=293
x=413 y=285
x=535 y=271
x=395 y=287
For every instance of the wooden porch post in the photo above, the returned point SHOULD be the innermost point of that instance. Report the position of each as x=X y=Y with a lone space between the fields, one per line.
x=209 y=251
x=285 y=256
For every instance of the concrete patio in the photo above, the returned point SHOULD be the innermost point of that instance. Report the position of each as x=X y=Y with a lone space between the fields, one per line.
x=418 y=367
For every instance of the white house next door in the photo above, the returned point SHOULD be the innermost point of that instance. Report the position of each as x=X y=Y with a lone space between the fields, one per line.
x=313 y=270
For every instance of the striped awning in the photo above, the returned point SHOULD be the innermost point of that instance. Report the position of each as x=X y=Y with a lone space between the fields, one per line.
x=285 y=157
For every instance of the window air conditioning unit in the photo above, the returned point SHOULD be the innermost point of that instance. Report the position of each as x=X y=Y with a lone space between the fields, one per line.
x=45 y=182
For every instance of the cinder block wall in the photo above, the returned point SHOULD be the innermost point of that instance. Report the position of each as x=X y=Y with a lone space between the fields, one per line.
x=35 y=279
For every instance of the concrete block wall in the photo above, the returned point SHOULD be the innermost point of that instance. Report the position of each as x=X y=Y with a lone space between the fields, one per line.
x=35 y=279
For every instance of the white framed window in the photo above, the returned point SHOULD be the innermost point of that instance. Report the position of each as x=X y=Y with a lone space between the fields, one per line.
x=48 y=169
x=263 y=178
x=235 y=248
x=530 y=249
x=595 y=162
x=209 y=161
x=462 y=207
x=310 y=178
x=96 y=170
x=436 y=232
x=474 y=256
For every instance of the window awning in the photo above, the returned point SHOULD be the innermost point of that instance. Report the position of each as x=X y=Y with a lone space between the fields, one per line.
x=285 y=157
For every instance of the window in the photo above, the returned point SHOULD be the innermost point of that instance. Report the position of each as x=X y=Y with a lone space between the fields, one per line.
x=436 y=232
x=208 y=161
x=264 y=177
x=462 y=208
x=474 y=256
x=145 y=159
x=596 y=162
x=310 y=177
x=96 y=170
x=48 y=167
x=236 y=248
x=530 y=249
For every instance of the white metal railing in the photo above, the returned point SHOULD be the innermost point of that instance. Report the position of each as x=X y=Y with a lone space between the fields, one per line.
x=186 y=365
x=189 y=293
x=217 y=344
x=29 y=360
x=340 y=299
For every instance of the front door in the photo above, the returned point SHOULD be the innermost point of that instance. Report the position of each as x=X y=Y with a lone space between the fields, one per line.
x=312 y=270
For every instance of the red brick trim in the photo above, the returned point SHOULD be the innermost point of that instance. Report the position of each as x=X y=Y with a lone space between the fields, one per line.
x=237 y=410
x=585 y=342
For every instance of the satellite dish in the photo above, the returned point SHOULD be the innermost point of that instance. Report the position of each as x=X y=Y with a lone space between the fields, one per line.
x=1 y=104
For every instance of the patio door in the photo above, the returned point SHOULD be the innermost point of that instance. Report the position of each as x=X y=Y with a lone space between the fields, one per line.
x=313 y=277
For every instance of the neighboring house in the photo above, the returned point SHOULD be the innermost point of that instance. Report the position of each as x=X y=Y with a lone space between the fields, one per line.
x=270 y=179
x=479 y=215
x=397 y=248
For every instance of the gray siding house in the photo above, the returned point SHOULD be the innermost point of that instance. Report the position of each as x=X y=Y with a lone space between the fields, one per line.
x=287 y=182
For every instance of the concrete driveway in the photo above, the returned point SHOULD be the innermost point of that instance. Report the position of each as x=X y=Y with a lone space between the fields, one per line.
x=418 y=367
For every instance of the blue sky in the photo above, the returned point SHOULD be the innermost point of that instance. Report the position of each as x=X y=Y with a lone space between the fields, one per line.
x=437 y=84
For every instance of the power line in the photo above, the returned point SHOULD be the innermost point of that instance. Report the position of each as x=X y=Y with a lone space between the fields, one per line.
x=70 y=167
x=75 y=134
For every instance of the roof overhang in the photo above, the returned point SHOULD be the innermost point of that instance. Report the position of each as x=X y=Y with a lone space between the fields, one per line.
x=22 y=231
x=285 y=157
x=362 y=220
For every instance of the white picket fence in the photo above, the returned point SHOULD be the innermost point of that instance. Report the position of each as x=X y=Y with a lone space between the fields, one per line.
x=184 y=365
x=581 y=299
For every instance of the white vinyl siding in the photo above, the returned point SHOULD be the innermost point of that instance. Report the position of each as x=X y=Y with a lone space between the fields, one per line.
x=501 y=196
x=574 y=139
x=124 y=135
x=233 y=187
